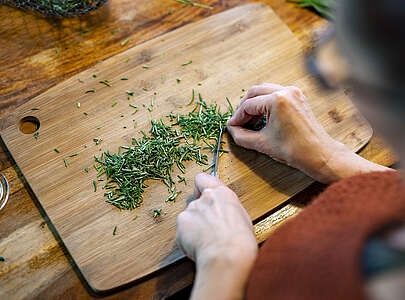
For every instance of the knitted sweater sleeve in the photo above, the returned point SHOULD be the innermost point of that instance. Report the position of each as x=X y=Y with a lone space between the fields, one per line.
x=317 y=254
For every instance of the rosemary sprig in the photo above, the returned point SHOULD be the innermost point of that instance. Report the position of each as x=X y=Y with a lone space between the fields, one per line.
x=324 y=7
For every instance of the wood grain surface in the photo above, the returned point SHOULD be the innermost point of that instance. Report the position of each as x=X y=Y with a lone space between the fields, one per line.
x=35 y=265
x=220 y=68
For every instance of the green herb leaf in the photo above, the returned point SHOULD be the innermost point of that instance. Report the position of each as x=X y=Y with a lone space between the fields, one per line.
x=188 y=2
x=178 y=80
x=86 y=170
x=124 y=78
x=56 y=150
x=36 y=134
x=124 y=42
x=145 y=67
x=95 y=185
x=105 y=82
x=156 y=213
x=35 y=108
x=114 y=104
x=192 y=99
x=57 y=51
x=73 y=154
x=66 y=163
x=131 y=93
x=187 y=63
x=94 y=75
x=115 y=230
x=90 y=91
x=2 y=258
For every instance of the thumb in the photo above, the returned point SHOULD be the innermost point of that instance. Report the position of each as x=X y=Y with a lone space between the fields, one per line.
x=246 y=138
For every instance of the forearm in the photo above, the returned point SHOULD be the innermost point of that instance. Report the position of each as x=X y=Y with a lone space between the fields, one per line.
x=345 y=163
x=221 y=278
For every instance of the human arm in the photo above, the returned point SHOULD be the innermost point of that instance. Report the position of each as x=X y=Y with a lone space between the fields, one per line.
x=293 y=135
x=216 y=232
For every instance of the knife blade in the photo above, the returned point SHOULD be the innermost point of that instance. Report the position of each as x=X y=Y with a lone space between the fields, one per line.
x=214 y=171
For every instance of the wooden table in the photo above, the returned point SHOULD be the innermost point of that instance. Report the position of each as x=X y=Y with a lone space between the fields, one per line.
x=35 y=266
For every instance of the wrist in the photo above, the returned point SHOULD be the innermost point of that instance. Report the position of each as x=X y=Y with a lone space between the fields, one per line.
x=223 y=273
x=343 y=163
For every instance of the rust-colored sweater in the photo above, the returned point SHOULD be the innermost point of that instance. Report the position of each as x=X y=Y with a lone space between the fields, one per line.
x=317 y=255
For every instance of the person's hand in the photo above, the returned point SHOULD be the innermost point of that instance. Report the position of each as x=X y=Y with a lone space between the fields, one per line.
x=216 y=232
x=292 y=134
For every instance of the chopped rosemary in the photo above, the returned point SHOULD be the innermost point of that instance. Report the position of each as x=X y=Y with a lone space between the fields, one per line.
x=90 y=91
x=145 y=67
x=182 y=179
x=186 y=63
x=86 y=170
x=154 y=155
x=133 y=106
x=115 y=230
x=192 y=99
x=105 y=82
x=230 y=106
x=157 y=213
x=95 y=185
x=152 y=102
x=145 y=89
x=86 y=114
x=66 y=163
x=57 y=51
x=124 y=42
x=56 y=150
x=73 y=154
x=114 y=104
x=35 y=108
x=131 y=93
x=124 y=78
x=178 y=80
x=94 y=75
x=150 y=108
x=97 y=141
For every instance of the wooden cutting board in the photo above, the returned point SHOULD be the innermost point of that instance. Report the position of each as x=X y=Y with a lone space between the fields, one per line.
x=230 y=51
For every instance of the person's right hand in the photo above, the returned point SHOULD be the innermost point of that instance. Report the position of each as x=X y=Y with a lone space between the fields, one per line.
x=292 y=134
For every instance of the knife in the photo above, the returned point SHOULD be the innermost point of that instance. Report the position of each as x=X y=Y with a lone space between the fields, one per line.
x=214 y=171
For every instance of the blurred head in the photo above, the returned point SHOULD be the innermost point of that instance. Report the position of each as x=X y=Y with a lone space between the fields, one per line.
x=370 y=35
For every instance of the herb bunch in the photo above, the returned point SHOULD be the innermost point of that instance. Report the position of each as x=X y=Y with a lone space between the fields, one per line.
x=324 y=7
x=154 y=156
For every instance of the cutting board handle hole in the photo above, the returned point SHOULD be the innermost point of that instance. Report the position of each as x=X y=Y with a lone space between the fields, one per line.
x=29 y=124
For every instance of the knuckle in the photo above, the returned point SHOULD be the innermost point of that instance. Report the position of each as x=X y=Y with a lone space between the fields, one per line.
x=294 y=91
x=208 y=193
x=282 y=99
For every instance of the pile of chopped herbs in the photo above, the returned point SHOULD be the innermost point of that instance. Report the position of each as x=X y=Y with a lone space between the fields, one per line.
x=154 y=155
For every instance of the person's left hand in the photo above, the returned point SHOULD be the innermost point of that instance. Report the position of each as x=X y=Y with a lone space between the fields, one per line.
x=215 y=223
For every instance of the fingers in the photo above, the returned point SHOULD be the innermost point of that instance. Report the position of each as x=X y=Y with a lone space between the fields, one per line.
x=257 y=106
x=203 y=181
x=263 y=89
x=246 y=138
